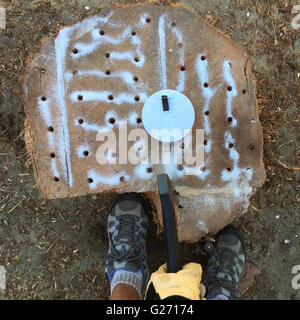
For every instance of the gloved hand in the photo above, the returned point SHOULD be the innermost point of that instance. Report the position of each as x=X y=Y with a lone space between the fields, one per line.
x=185 y=283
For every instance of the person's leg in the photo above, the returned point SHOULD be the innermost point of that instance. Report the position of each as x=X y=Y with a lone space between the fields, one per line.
x=124 y=292
x=225 y=265
x=126 y=264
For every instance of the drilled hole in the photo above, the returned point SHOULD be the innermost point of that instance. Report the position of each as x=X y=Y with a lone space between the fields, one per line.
x=43 y=98
x=80 y=97
x=90 y=180
x=148 y=20
x=111 y=120
x=182 y=68
x=229 y=169
x=43 y=71
x=207 y=113
x=244 y=91
x=180 y=206
x=50 y=129
x=203 y=57
x=229 y=88
x=133 y=33
x=180 y=167
x=56 y=179
x=137 y=98
x=136 y=59
x=206 y=85
x=85 y=153
x=80 y=121
x=173 y=25
x=102 y=33
x=107 y=55
x=205 y=142
x=149 y=170
x=110 y=97
x=203 y=169
x=179 y=45
x=122 y=179
x=229 y=119
x=251 y=147
x=75 y=51
x=75 y=72
x=138 y=120
x=136 y=79
x=230 y=145
x=108 y=72
x=52 y=155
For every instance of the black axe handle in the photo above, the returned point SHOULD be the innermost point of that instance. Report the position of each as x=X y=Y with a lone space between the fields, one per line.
x=166 y=193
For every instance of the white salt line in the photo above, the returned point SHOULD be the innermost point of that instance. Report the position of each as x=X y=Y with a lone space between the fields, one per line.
x=91 y=127
x=111 y=115
x=128 y=56
x=45 y=111
x=181 y=75
x=61 y=44
x=132 y=119
x=103 y=96
x=89 y=24
x=81 y=149
x=234 y=156
x=87 y=48
x=138 y=43
x=230 y=94
x=46 y=114
x=207 y=92
x=201 y=67
x=141 y=171
x=162 y=50
x=106 y=180
x=54 y=168
x=143 y=21
x=201 y=225
x=126 y=76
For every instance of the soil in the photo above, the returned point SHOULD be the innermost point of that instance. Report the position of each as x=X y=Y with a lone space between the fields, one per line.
x=53 y=249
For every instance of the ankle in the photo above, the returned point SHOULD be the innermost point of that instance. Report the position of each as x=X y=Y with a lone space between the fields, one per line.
x=124 y=292
x=133 y=279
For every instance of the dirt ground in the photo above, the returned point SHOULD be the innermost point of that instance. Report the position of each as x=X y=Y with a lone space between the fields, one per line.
x=54 y=249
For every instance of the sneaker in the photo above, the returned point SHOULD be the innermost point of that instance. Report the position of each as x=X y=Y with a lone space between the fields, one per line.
x=127 y=230
x=225 y=265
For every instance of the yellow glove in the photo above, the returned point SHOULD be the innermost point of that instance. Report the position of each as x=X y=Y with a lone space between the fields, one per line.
x=185 y=283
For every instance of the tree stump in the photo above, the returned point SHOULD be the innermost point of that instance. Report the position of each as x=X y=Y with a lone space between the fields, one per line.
x=100 y=72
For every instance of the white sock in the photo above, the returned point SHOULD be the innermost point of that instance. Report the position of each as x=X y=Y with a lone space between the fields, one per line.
x=134 y=279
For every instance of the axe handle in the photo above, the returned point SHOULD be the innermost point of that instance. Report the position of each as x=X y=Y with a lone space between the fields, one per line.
x=170 y=229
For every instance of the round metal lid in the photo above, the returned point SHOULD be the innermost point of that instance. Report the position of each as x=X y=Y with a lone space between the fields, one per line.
x=168 y=115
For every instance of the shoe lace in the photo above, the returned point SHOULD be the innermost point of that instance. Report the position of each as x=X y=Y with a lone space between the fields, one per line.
x=126 y=229
x=222 y=262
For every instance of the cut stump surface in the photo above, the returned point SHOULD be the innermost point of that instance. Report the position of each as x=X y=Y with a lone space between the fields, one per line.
x=100 y=72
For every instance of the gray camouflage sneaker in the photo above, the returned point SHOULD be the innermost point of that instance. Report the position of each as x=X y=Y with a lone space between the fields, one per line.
x=225 y=265
x=127 y=230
